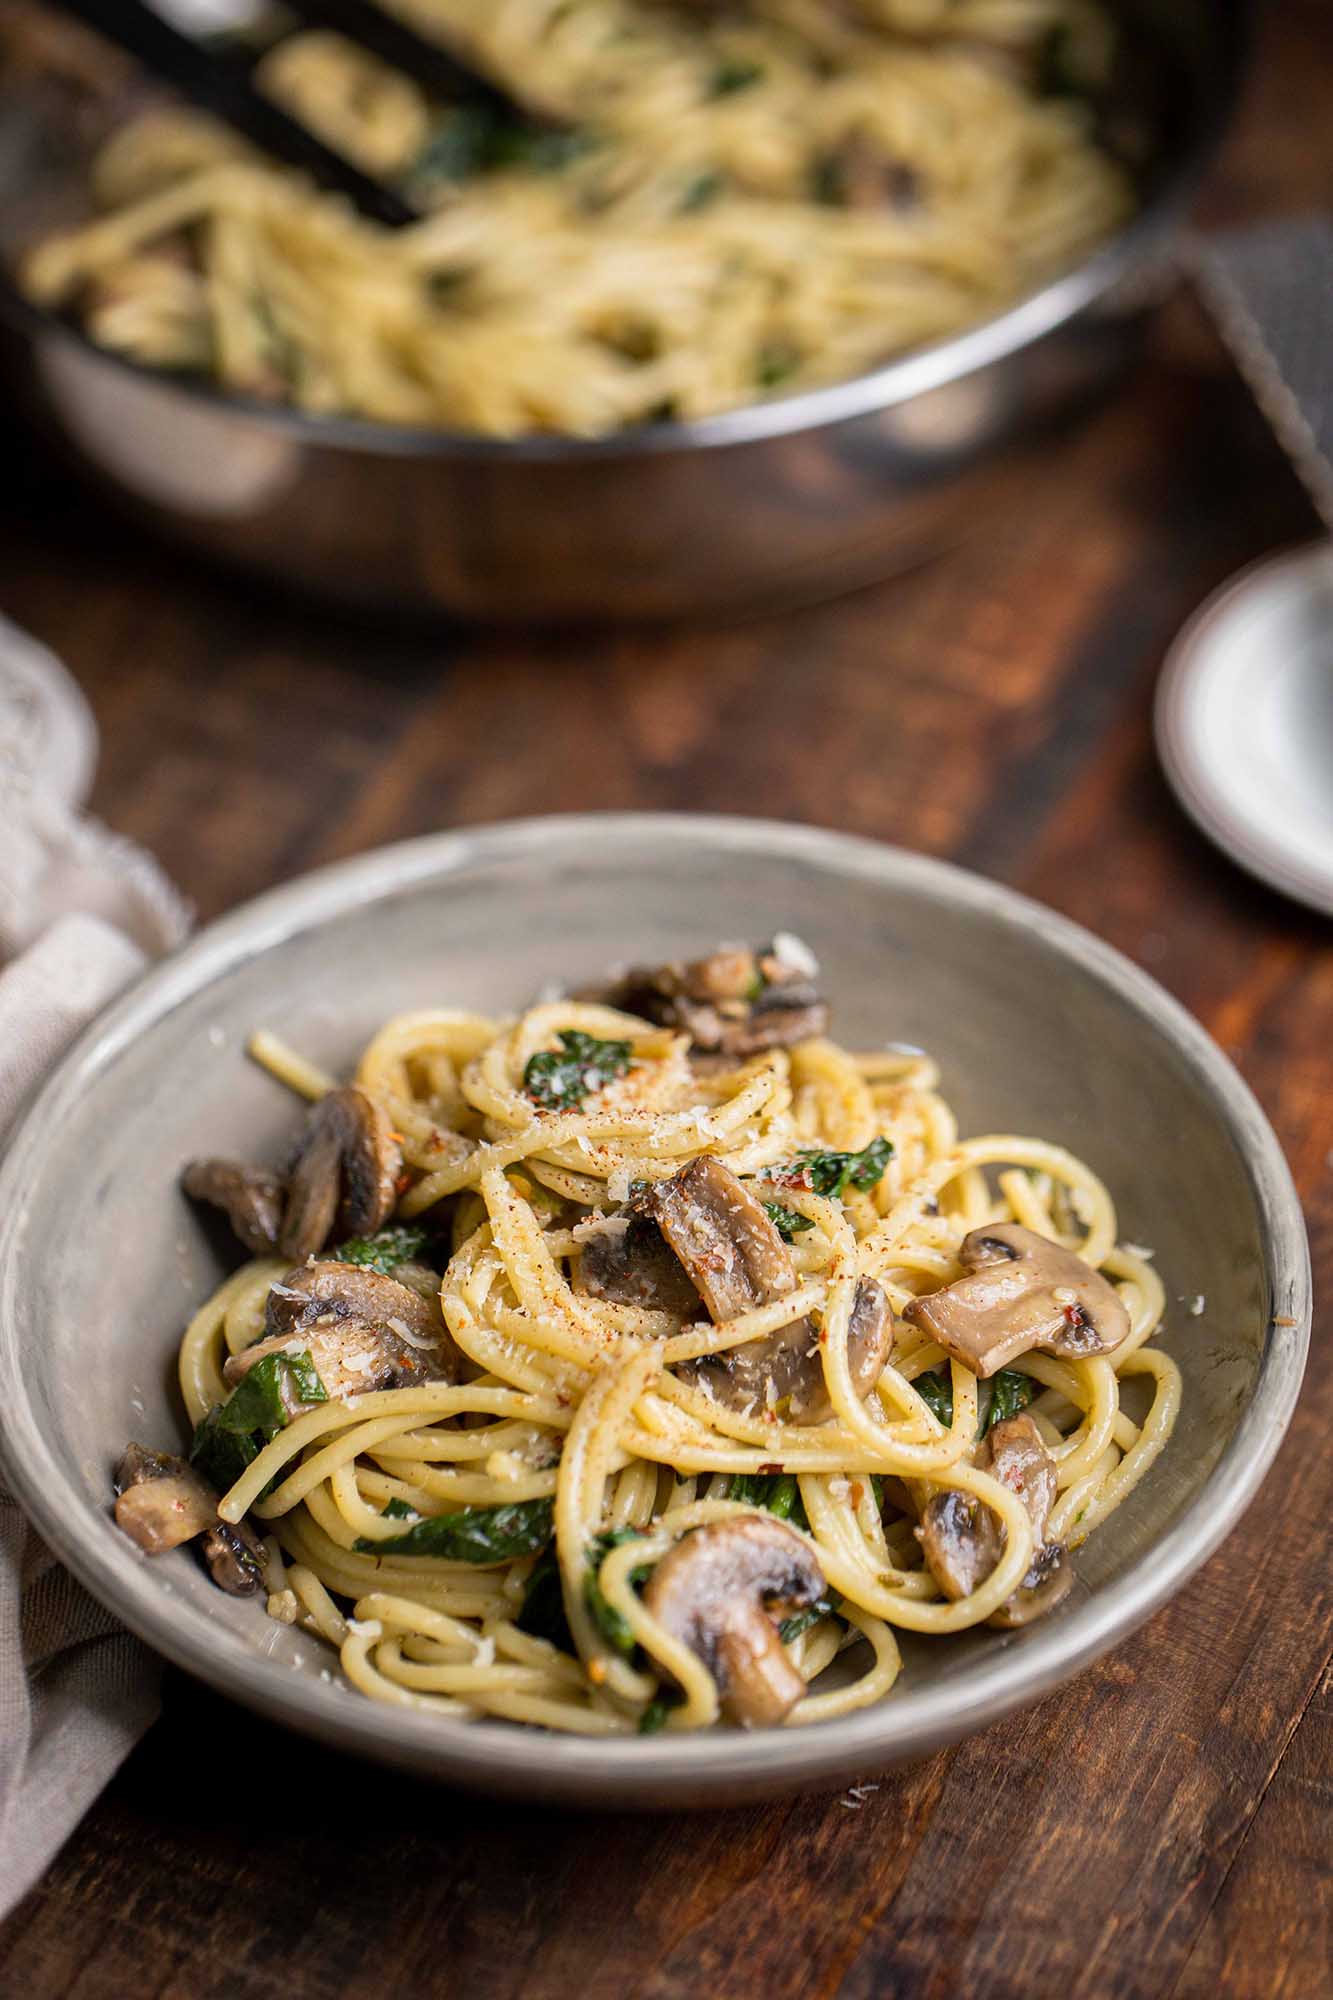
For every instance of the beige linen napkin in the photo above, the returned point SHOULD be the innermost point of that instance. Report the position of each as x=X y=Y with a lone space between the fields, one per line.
x=76 y=1691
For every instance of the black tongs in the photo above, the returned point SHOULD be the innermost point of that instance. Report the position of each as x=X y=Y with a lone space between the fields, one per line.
x=218 y=80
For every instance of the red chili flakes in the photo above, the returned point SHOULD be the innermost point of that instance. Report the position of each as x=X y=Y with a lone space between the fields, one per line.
x=770 y=1468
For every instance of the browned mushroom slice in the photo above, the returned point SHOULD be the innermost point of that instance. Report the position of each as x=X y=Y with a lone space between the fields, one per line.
x=719 y=1592
x=1015 y=1454
x=869 y=1334
x=960 y=1541
x=789 y=1361
x=235 y=1558
x=362 y=1330
x=1049 y=1579
x=858 y=173
x=251 y=1199
x=161 y=1501
x=345 y=1174
x=1020 y=1291
x=734 y=1003
x=330 y=1289
x=722 y=1235
x=629 y=1262
x=963 y=1541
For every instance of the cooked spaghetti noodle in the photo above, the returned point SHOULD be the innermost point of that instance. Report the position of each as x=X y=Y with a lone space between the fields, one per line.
x=732 y=205
x=584 y=1414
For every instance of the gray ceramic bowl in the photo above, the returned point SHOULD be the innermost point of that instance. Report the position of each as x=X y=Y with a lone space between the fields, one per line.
x=1039 y=1028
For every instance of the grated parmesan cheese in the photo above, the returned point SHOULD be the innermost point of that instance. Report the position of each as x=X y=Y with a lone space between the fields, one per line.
x=366 y=1628
x=599 y=1225
x=405 y=1333
x=796 y=953
x=504 y=1465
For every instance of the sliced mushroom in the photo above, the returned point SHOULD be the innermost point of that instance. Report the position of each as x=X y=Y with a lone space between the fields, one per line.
x=345 y=1174
x=858 y=173
x=1020 y=1291
x=251 y=1199
x=719 y=1592
x=1015 y=1453
x=789 y=1361
x=734 y=1003
x=330 y=1289
x=235 y=1558
x=362 y=1330
x=630 y=1263
x=963 y=1541
x=161 y=1501
x=960 y=1541
x=1049 y=1578
x=722 y=1235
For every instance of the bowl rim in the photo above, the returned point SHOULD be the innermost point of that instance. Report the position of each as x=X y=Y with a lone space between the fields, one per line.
x=502 y=1758
x=921 y=369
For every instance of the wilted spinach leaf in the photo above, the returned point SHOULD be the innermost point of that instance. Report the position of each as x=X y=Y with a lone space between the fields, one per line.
x=402 y=1243
x=558 y=1080
x=234 y=1433
x=473 y=1534
x=789 y=1222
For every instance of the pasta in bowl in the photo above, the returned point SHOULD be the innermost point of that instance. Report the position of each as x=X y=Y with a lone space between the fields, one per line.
x=1037 y=1028
x=624 y=1365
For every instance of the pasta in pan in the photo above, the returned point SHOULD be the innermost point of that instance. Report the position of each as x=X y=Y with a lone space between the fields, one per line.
x=691 y=1356
x=730 y=205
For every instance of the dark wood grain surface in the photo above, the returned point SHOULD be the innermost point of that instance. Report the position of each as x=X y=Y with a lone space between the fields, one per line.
x=1160 y=1827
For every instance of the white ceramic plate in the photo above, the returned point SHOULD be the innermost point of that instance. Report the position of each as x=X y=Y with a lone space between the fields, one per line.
x=1245 y=721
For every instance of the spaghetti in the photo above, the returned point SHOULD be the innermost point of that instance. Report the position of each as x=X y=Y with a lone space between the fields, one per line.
x=730 y=206
x=491 y=1540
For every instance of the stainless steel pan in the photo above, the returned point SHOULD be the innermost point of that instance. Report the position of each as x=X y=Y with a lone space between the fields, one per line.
x=796 y=498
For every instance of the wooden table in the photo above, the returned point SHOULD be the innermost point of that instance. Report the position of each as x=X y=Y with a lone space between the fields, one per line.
x=1159 y=1827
